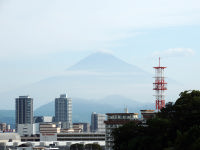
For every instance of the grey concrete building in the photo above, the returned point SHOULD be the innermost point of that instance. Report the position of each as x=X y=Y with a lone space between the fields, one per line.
x=23 y=110
x=63 y=111
x=97 y=122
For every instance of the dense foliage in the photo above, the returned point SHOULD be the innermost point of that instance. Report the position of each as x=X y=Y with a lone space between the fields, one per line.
x=77 y=147
x=175 y=127
x=93 y=147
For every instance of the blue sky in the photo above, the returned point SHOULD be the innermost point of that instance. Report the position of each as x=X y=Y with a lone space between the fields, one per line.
x=39 y=39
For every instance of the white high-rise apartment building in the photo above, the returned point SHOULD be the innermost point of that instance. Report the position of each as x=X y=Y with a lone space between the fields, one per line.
x=97 y=122
x=63 y=111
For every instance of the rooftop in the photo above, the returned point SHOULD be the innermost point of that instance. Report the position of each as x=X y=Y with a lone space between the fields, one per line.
x=26 y=96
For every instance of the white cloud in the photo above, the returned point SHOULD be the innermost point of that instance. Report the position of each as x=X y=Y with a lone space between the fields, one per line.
x=174 y=52
x=39 y=27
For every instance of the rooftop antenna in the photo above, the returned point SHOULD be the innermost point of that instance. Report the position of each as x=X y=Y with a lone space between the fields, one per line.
x=125 y=109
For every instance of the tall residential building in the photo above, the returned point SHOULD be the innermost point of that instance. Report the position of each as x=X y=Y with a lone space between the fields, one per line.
x=23 y=110
x=63 y=111
x=97 y=122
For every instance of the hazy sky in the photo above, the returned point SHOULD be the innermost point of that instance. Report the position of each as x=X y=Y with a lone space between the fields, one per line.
x=41 y=38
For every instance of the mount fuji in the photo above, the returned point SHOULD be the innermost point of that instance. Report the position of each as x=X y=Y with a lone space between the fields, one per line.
x=104 y=62
x=99 y=83
x=94 y=77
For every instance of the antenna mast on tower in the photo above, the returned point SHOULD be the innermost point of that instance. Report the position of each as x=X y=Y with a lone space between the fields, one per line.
x=159 y=86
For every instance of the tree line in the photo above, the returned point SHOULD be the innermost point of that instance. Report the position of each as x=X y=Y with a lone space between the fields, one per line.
x=85 y=147
x=175 y=127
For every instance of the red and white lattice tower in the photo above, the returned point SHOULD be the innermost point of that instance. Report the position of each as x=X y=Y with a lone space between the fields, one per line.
x=159 y=86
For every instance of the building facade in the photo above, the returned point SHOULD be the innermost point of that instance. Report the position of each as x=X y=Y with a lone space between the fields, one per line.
x=40 y=119
x=81 y=137
x=86 y=127
x=23 y=110
x=3 y=126
x=63 y=111
x=147 y=114
x=83 y=126
x=48 y=132
x=78 y=128
x=97 y=122
x=12 y=137
x=115 y=120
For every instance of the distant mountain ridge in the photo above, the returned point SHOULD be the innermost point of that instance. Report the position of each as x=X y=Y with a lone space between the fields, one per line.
x=8 y=116
x=82 y=108
x=104 y=62
x=94 y=77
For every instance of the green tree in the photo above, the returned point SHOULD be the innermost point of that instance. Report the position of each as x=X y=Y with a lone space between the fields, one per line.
x=77 y=147
x=122 y=136
x=93 y=147
x=189 y=140
x=177 y=126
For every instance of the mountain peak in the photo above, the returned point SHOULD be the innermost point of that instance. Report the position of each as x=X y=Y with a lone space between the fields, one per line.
x=103 y=61
x=100 y=55
x=104 y=52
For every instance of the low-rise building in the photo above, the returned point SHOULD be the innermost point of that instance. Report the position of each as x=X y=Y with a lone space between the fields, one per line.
x=5 y=128
x=81 y=137
x=32 y=138
x=78 y=128
x=115 y=120
x=25 y=129
x=147 y=114
x=9 y=137
x=85 y=127
x=48 y=132
x=28 y=129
